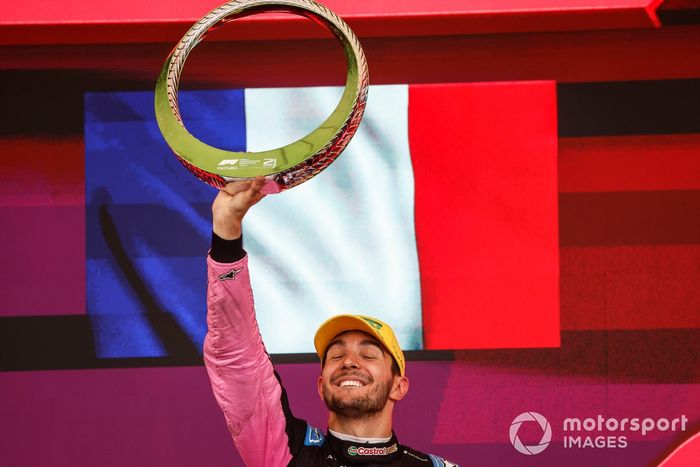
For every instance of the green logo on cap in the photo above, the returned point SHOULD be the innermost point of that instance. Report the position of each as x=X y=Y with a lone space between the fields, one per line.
x=373 y=323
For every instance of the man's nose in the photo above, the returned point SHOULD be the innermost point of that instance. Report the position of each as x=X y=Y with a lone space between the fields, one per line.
x=350 y=361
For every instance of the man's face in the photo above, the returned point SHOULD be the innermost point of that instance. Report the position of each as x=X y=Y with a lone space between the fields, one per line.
x=356 y=380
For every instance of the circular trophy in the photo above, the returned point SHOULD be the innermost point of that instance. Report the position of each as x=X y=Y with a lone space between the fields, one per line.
x=283 y=167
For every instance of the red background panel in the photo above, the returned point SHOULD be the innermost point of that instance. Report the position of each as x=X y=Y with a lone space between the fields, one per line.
x=128 y=21
x=630 y=287
x=42 y=171
x=488 y=256
x=579 y=56
x=629 y=163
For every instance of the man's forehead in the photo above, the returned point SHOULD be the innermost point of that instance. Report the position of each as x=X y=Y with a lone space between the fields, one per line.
x=344 y=336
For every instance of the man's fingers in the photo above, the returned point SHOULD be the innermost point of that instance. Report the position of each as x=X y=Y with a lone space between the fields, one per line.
x=252 y=194
x=236 y=187
x=241 y=195
x=254 y=185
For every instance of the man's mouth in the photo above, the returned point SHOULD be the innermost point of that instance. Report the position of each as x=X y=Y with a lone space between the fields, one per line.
x=351 y=383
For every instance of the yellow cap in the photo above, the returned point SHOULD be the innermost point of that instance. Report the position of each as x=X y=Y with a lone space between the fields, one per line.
x=372 y=326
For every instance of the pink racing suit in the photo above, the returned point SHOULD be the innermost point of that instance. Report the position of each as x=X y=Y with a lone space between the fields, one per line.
x=253 y=399
x=240 y=370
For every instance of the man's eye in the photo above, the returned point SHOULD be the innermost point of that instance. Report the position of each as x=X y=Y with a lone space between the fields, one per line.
x=335 y=357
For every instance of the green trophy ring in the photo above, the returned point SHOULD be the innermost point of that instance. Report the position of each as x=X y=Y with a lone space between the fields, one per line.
x=283 y=167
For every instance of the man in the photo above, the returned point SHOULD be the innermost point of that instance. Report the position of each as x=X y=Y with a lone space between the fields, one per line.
x=362 y=375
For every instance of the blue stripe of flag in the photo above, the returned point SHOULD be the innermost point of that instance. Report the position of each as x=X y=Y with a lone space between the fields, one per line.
x=147 y=219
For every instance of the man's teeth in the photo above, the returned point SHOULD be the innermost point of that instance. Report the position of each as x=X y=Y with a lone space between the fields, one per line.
x=351 y=383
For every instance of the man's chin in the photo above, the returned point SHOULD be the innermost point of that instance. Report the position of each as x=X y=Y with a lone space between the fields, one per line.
x=353 y=406
x=345 y=402
x=350 y=412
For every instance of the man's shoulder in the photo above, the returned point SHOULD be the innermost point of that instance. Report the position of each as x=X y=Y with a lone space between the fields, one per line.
x=423 y=459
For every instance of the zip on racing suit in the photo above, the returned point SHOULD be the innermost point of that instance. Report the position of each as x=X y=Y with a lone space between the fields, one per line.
x=250 y=392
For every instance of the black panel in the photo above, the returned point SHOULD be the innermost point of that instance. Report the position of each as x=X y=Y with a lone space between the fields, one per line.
x=657 y=355
x=629 y=108
x=679 y=17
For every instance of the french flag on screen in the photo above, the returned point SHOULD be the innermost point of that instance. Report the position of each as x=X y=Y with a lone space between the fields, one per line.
x=440 y=217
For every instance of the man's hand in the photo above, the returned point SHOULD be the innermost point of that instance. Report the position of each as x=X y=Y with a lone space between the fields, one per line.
x=231 y=204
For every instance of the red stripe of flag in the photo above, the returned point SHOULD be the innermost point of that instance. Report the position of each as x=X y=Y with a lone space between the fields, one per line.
x=485 y=167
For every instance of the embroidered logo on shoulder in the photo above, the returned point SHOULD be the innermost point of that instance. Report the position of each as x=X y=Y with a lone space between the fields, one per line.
x=314 y=436
x=231 y=275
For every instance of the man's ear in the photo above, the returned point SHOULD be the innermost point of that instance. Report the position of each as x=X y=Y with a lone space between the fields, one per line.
x=320 y=387
x=399 y=388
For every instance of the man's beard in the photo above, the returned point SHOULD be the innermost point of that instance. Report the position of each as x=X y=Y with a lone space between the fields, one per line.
x=359 y=407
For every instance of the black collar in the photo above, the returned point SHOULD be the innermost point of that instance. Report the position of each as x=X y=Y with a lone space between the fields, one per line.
x=365 y=453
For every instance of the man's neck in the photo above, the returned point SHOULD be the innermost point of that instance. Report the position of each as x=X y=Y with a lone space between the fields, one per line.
x=369 y=427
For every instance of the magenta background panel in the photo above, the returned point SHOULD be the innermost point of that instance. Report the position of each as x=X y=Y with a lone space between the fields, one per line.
x=43 y=260
x=461 y=410
x=158 y=416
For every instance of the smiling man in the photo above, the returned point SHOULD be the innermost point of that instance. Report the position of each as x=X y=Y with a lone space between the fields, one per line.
x=362 y=373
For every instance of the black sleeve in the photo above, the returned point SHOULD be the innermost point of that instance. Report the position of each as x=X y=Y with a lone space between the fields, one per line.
x=296 y=428
x=226 y=251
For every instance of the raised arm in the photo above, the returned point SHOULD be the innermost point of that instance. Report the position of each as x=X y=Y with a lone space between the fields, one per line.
x=241 y=374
